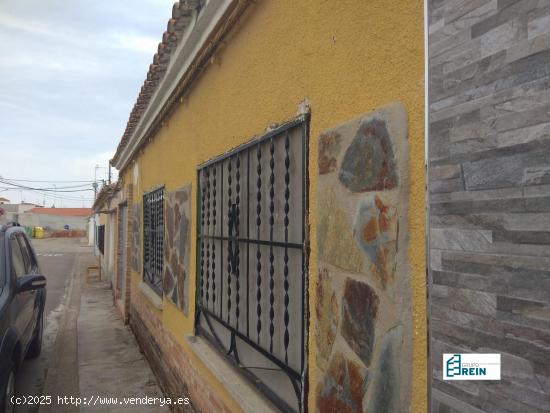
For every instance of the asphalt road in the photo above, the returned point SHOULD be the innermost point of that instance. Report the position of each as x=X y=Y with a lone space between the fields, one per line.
x=57 y=259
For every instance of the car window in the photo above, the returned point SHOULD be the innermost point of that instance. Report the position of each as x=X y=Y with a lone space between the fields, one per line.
x=17 y=260
x=27 y=254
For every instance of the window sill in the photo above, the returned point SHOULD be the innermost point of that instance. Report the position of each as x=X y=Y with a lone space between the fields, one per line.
x=241 y=391
x=151 y=295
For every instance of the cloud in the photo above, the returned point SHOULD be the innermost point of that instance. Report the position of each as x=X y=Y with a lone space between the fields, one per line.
x=31 y=26
x=69 y=75
x=117 y=39
x=51 y=63
x=133 y=42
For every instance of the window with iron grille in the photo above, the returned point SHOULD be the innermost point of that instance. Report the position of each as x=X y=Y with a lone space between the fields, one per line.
x=251 y=259
x=153 y=238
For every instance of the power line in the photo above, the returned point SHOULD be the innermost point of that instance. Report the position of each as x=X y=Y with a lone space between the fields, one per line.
x=52 y=196
x=28 y=188
x=49 y=182
x=54 y=188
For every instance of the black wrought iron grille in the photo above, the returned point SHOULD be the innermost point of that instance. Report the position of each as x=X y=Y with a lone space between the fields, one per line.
x=251 y=258
x=153 y=238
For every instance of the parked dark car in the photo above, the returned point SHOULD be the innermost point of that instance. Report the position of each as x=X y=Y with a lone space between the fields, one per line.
x=22 y=299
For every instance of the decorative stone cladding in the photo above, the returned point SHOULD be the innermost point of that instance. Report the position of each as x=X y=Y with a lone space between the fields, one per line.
x=363 y=310
x=489 y=196
x=177 y=240
x=176 y=372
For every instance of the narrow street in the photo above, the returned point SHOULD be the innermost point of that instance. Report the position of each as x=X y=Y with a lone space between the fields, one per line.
x=87 y=351
x=57 y=259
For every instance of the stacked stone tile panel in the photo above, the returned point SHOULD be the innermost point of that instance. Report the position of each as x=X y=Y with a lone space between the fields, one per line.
x=489 y=196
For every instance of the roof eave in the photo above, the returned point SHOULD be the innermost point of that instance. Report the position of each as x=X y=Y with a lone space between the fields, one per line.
x=194 y=38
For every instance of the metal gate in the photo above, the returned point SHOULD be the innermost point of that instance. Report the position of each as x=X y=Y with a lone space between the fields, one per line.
x=252 y=295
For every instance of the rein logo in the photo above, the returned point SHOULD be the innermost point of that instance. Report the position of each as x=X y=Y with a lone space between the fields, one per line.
x=471 y=366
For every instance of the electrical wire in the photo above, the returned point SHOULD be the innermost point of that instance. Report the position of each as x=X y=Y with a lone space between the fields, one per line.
x=52 y=196
x=45 y=189
x=52 y=193
x=48 y=182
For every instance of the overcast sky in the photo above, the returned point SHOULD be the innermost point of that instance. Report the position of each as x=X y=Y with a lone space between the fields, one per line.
x=70 y=72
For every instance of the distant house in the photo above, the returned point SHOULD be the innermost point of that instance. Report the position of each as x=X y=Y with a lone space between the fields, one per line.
x=110 y=219
x=56 y=219
x=13 y=211
x=62 y=212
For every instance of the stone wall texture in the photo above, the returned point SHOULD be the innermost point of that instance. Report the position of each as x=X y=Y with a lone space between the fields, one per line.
x=489 y=196
x=363 y=309
x=177 y=237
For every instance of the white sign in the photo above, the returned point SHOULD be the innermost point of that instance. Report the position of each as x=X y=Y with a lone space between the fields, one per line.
x=471 y=366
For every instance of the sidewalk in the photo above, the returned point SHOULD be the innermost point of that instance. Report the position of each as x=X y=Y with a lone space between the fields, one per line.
x=95 y=355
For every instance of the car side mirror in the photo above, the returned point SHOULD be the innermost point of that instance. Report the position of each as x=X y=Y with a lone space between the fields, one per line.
x=30 y=283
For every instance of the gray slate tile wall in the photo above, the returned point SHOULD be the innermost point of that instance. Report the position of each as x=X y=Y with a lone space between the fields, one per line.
x=489 y=185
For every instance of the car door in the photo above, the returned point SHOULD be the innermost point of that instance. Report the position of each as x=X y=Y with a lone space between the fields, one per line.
x=31 y=267
x=24 y=302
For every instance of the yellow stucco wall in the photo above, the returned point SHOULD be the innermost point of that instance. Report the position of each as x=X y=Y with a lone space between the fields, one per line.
x=347 y=58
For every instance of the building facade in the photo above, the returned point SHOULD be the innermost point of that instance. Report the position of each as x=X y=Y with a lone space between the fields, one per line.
x=258 y=241
x=281 y=253
x=111 y=241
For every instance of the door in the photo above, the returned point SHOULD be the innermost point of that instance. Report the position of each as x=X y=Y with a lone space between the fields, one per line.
x=121 y=264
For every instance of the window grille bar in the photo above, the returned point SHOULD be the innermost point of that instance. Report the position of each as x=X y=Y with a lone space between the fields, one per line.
x=221 y=243
x=214 y=242
x=230 y=243
x=286 y=221
x=208 y=231
x=258 y=252
x=247 y=244
x=237 y=233
x=290 y=245
x=271 y=256
x=203 y=198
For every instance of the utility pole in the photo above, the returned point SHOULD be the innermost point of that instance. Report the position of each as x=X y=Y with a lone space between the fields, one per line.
x=103 y=180
x=95 y=180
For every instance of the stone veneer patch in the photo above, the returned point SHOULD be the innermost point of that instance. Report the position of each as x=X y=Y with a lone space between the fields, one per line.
x=177 y=238
x=363 y=311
